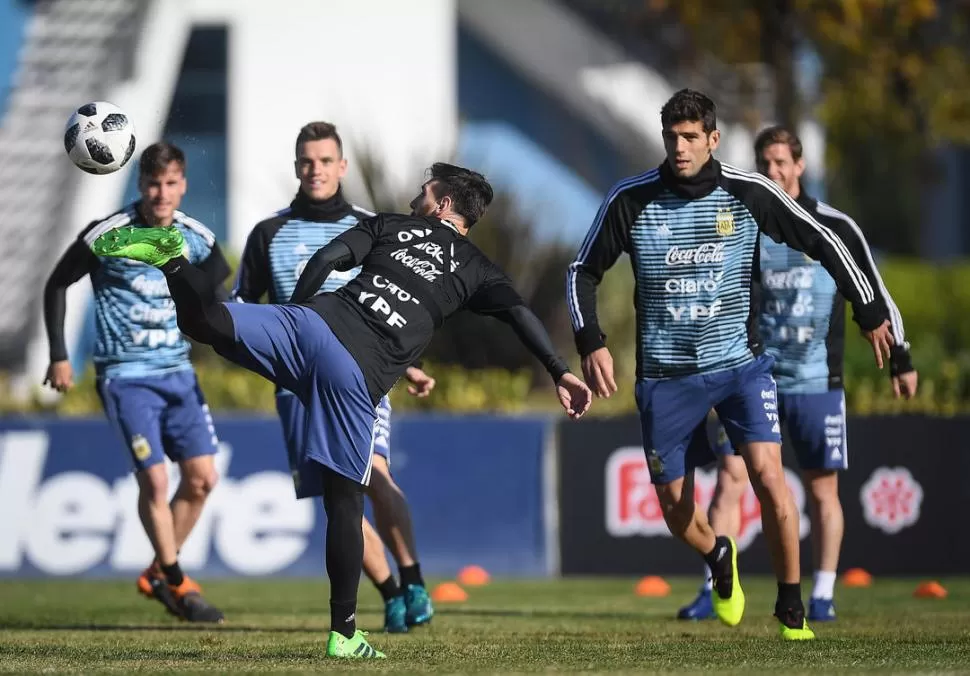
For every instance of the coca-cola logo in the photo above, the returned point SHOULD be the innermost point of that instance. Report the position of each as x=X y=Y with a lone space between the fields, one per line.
x=632 y=507
x=704 y=253
x=891 y=499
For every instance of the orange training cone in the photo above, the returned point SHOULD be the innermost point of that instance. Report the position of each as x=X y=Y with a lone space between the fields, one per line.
x=856 y=577
x=652 y=585
x=449 y=592
x=473 y=576
x=930 y=590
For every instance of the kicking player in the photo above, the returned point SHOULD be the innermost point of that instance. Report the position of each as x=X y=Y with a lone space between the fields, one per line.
x=144 y=376
x=803 y=325
x=276 y=252
x=340 y=352
x=692 y=228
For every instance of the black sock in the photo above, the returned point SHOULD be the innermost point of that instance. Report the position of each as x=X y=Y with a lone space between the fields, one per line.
x=388 y=588
x=719 y=562
x=199 y=315
x=173 y=574
x=343 y=500
x=343 y=618
x=411 y=575
x=789 y=597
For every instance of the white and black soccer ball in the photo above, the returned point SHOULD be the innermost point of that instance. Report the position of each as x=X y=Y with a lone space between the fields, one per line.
x=99 y=138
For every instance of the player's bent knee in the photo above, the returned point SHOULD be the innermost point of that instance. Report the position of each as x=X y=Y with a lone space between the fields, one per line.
x=153 y=484
x=824 y=487
x=771 y=481
x=199 y=485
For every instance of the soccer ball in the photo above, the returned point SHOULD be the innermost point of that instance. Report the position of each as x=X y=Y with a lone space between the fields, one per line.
x=99 y=138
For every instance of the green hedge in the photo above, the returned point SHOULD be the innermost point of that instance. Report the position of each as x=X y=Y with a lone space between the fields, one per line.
x=933 y=300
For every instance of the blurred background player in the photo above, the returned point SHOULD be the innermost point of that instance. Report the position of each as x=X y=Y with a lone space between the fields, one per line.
x=144 y=377
x=803 y=326
x=276 y=252
x=695 y=221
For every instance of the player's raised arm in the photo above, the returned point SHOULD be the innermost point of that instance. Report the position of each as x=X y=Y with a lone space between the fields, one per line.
x=497 y=298
x=252 y=278
x=605 y=241
x=784 y=220
x=342 y=253
x=76 y=262
x=849 y=232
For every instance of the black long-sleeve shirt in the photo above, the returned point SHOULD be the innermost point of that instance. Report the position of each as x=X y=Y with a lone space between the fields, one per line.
x=415 y=273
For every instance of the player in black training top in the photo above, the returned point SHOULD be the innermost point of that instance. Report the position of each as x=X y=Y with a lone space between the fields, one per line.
x=340 y=352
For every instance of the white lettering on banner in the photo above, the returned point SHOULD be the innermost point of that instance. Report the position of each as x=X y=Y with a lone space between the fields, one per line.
x=799 y=277
x=424 y=269
x=694 y=312
x=704 y=253
x=891 y=499
x=632 y=507
x=691 y=287
x=408 y=235
x=381 y=306
x=150 y=287
x=74 y=520
x=156 y=337
x=142 y=312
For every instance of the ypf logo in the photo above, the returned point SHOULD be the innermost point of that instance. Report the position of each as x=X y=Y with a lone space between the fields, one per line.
x=891 y=499
x=632 y=507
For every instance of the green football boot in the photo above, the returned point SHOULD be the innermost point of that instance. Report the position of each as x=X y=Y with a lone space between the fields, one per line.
x=356 y=647
x=154 y=246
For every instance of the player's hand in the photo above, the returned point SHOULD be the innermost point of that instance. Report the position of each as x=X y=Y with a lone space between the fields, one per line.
x=421 y=383
x=60 y=376
x=881 y=340
x=598 y=372
x=906 y=384
x=574 y=396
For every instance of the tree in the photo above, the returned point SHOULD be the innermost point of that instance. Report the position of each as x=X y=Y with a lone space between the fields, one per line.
x=895 y=85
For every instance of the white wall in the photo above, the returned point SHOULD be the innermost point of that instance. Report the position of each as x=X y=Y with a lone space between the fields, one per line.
x=382 y=70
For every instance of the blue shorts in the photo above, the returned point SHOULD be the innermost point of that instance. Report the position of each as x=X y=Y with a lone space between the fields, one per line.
x=307 y=477
x=672 y=409
x=158 y=416
x=816 y=429
x=292 y=346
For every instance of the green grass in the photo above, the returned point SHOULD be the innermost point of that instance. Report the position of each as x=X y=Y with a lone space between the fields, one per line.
x=521 y=626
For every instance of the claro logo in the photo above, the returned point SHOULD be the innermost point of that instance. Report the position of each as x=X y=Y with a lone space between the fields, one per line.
x=69 y=522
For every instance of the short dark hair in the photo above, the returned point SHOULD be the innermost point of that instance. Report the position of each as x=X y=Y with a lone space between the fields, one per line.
x=689 y=105
x=778 y=134
x=318 y=131
x=156 y=158
x=468 y=190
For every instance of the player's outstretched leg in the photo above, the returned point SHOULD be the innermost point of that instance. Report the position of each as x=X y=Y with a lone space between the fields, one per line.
x=779 y=520
x=343 y=500
x=688 y=522
x=379 y=573
x=393 y=520
x=725 y=518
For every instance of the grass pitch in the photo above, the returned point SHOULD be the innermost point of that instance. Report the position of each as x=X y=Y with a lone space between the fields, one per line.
x=589 y=625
